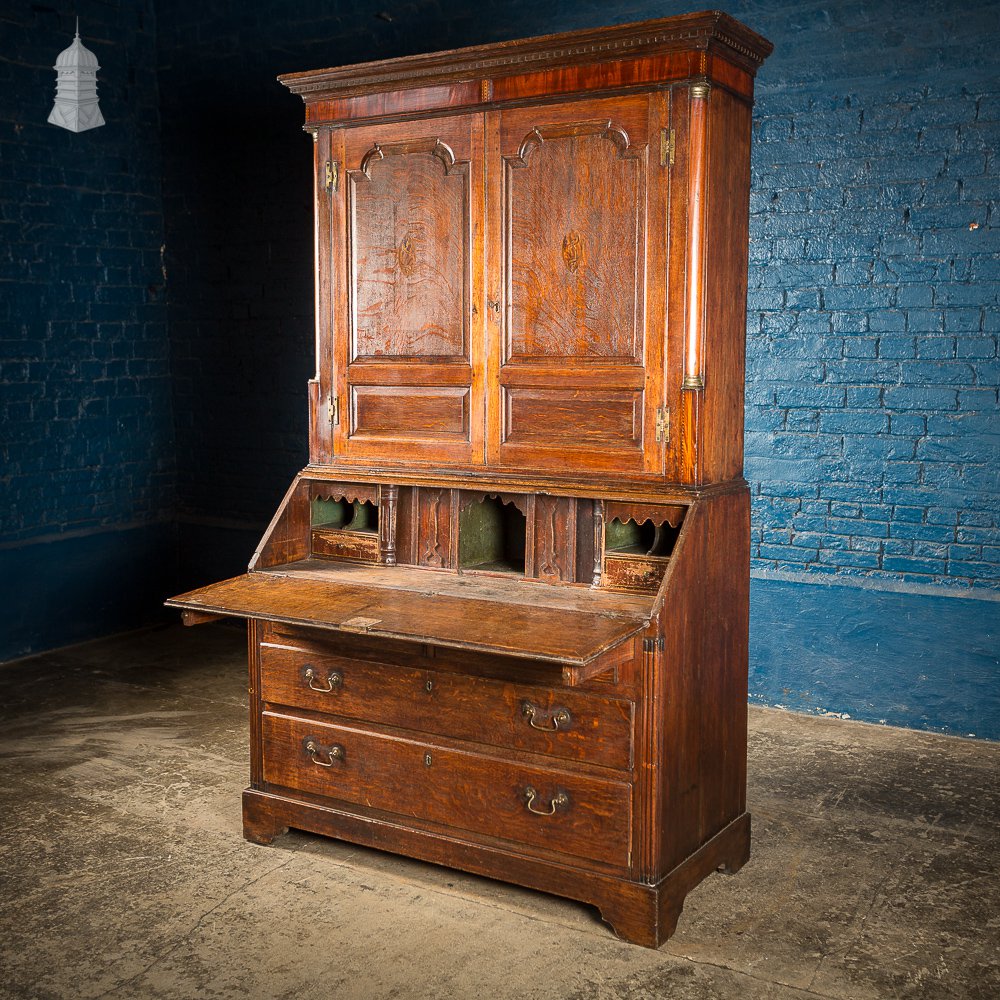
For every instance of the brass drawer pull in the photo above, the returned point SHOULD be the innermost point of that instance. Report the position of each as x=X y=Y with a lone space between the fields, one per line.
x=559 y=801
x=334 y=679
x=315 y=751
x=559 y=719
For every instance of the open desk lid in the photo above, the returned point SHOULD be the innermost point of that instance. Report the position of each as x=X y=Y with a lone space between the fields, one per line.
x=423 y=606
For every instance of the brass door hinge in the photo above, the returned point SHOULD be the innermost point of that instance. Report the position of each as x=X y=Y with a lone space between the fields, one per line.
x=332 y=175
x=333 y=406
x=668 y=146
x=662 y=425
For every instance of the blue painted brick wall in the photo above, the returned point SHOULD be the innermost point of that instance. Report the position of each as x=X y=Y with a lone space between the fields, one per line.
x=86 y=432
x=86 y=437
x=873 y=430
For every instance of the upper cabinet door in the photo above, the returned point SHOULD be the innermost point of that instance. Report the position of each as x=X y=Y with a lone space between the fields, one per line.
x=576 y=203
x=406 y=348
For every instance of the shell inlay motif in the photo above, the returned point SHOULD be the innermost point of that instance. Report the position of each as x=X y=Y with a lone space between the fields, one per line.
x=572 y=250
x=407 y=256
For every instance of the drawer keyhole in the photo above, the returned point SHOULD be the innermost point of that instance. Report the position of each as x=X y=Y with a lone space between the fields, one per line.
x=429 y=686
x=428 y=760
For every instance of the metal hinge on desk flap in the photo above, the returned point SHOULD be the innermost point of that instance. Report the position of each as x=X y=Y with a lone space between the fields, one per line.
x=662 y=424
x=359 y=624
x=668 y=146
x=333 y=405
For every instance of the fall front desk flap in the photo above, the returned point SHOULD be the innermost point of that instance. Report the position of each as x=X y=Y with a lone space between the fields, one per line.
x=515 y=618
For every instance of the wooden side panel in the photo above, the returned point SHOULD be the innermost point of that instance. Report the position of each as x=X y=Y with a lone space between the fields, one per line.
x=727 y=242
x=710 y=189
x=287 y=536
x=433 y=532
x=555 y=539
x=702 y=682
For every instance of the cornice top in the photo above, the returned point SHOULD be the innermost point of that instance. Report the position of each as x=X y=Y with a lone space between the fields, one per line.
x=708 y=30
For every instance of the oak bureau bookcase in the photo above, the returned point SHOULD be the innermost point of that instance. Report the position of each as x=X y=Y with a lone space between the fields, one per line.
x=499 y=622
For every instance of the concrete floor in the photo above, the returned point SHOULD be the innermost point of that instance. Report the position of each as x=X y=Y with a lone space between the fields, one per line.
x=123 y=873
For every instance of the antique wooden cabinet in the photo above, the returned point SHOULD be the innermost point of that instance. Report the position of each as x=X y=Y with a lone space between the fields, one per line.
x=500 y=620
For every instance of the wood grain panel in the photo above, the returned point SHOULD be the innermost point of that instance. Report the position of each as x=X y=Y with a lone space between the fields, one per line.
x=410 y=411
x=399 y=102
x=462 y=790
x=408 y=272
x=575 y=214
x=434 y=534
x=702 y=680
x=579 y=374
x=624 y=73
x=555 y=539
x=604 y=417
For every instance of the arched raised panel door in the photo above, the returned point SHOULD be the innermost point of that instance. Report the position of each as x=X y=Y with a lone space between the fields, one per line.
x=406 y=257
x=577 y=205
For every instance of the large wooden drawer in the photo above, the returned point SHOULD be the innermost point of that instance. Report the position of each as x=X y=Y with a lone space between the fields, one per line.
x=573 y=814
x=569 y=724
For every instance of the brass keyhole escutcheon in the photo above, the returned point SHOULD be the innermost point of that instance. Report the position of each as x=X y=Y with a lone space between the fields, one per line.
x=428 y=760
x=429 y=686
